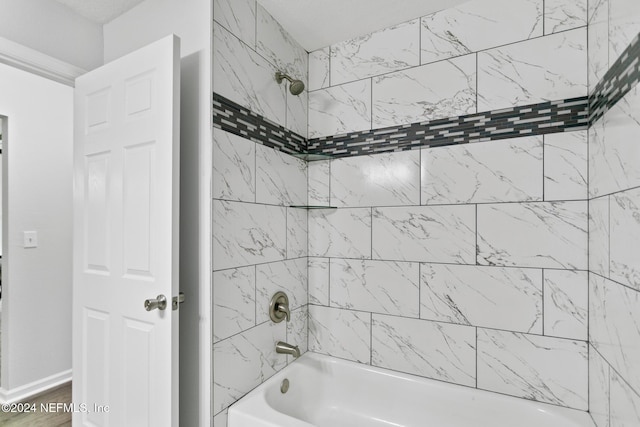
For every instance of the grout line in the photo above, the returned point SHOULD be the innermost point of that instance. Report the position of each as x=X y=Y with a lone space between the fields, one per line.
x=582 y=27
x=542 y=288
x=371 y=111
x=440 y=205
x=609 y=394
x=544 y=15
x=544 y=144
x=442 y=322
x=328 y=283
x=371 y=231
x=477 y=250
x=371 y=339
x=609 y=236
x=477 y=355
x=419 y=291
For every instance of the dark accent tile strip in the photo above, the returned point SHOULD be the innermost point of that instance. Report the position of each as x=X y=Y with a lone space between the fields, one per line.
x=233 y=118
x=534 y=119
x=621 y=77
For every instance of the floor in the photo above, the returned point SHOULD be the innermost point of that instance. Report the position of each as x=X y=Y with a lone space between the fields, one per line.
x=39 y=418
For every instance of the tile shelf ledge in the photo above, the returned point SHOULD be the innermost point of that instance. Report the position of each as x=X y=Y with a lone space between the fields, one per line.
x=312 y=157
x=311 y=207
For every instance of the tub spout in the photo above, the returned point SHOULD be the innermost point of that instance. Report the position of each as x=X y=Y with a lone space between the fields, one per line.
x=284 y=348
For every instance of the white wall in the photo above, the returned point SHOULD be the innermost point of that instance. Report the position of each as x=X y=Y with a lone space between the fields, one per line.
x=191 y=21
x=36 y=314
x=54 y=29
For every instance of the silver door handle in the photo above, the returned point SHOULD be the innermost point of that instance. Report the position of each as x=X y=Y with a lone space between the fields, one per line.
x=160 y=303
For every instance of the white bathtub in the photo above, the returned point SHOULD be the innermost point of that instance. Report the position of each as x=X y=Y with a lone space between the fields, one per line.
x=329 y=392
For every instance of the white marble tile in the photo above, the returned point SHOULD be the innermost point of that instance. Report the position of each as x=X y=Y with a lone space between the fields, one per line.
x=614 y=326
x=340 y=333
x=565 y=166
x=625 y=403
x=598 y=41
x=425 y=234
x=288 y=276
x=562 y=15
x=613 y=150
x=491 y=297
x=544 y=369
x=598 y=388
x=234 y=167
x=340 y=233
x=543 y=234
x=389 y=179
x=625 y=238
x=297 y=233
x=600 y=172
x=297 y=113
x=245 y=234
x=281 y=179
x=390 y=49
x=318 y=281
x=297 y=329
x=245 y=77
x=599 y=236
x=234 y=301
x=566 y=304
x=319 y=180
x=340 y=109
x=274 y=43
x=494 y=171
x=624 y=25
x=220 y=419
x=244 y=361
x=319 y=69
x=478 y=25
x=433 y=91
x=543 y=69
x=385 y=287
x=237 y=16
x=430 y=349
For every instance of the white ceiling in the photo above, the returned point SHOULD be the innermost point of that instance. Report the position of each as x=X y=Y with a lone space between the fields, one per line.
x=100 y=11
x=318 y=23
x=312 y=23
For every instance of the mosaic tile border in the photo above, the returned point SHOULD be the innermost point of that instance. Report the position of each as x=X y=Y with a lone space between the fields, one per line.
x=236 y=119
x=536 y=119
x=621 y=77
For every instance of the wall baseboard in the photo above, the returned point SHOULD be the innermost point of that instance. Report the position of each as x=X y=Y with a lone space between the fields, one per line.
x=33 y=61
x=36 y=387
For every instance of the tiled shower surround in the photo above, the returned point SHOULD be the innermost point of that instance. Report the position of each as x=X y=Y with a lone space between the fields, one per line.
x=508 y=265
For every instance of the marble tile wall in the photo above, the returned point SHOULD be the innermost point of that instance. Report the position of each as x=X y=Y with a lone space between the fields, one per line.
x=478 y=56
x=614 y=230
x=259 y=242
x=466 y=264
x=507 y=266
x=249 y=47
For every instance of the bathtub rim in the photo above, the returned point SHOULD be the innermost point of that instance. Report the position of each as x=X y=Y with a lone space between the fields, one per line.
x=257 y=397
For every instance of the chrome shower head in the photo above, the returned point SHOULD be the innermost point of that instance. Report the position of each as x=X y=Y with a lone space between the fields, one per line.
x=295 y=86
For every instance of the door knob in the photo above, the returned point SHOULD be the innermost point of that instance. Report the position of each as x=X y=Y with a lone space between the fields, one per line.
x=160 y=303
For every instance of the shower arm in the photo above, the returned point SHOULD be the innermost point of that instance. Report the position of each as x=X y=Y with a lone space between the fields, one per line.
x=280 y=75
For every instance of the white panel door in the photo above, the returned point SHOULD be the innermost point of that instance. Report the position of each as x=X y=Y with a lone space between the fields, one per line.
x=125 y=246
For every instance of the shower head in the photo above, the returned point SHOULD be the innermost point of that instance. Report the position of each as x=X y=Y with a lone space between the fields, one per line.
x=295 y=86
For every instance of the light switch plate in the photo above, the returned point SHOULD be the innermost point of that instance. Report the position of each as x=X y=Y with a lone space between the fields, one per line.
x=30 y=239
